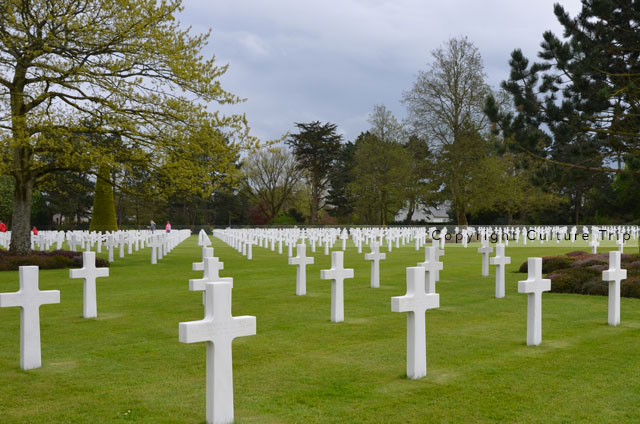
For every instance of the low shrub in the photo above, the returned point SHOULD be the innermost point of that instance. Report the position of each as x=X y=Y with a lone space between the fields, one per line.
x=576 y=253
x=55 y=259
x=582 y=273
x=550 y=264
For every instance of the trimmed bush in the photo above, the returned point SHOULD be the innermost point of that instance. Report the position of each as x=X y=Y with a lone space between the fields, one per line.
x=103 y=216
x=550 y=264
x=55 y=259
x=582 y=273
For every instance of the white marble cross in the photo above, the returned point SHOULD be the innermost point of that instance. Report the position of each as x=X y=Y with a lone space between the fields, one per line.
x=620 y=243
x=344 y=236
x=432 y=267
x=415 y=303
x=534 y=285
x=110 y=245
x=212 y=267
x=375 y=257
x=500 y=260
x=486 y=251
x=302 y=260
x=439 y=251
x=89 y=272
x=203 y=238
x=29 y=298
x=337 y=274
x=218 y=329
x=156 y=251
x=594 y=245
x=121 y=245
x=207 y=252
x=614 y=275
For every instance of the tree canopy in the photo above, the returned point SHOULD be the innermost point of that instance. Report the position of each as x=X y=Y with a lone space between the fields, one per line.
x=585 y=90
x=123 y=68
x=316 y=147
x=445 y=107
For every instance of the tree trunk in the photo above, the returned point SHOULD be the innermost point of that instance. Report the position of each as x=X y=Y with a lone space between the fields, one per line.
x=411 y=209
x=461 y=215
x=315 y=201
x=577 y=206
x=21 y=218
x=523 y=216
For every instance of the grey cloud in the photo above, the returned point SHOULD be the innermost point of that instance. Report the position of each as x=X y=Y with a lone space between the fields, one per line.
x=297 y=61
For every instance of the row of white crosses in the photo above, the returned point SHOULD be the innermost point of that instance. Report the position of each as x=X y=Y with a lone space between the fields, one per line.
x=421 y=295
x=416 y=360
x=244 y=239
x=29 y=298
x=217 y=330
x=534 y=285
x=161 y=243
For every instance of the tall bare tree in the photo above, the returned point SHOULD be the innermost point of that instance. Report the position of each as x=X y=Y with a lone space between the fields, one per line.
x=445 y=107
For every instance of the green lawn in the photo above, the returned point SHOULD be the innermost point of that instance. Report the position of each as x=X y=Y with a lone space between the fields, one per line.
x=128 y=364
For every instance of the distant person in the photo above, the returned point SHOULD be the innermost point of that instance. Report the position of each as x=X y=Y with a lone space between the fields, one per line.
x=168 y=227
x=3 y=227
x=152 y=225
x=34 y=230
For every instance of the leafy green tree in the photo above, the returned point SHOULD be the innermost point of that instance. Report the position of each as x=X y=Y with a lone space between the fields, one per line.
x=380 y=175
x=6 y=191
x=420 y=183
x=505 y=185
x=316 y=148
x=340 y=176
x=69 y=194
x=271 y=178
x=229 y=206
x=126 y=66
x=445 y=107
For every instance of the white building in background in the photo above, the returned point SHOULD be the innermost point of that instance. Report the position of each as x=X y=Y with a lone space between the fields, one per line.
x=436 y=215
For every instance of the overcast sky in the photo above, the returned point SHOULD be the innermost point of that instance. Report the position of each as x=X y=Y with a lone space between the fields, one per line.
x=333 y=60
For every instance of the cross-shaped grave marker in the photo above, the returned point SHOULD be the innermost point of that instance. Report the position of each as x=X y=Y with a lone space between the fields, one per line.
x=156 y=252
x=614 y=275
x=218 y=329
x=29 y=298
x=415 y=303
x=500 y=260
x=207 y=252
x=534 y=285
x=110 y=245
x=212 y=267
x=89 y=272
x=337 y=274
x=594 y=245
x=301 y=260
x=439 y=251
x=432 y=267
x=620 y=243
x=486 y=251
x=375 y=257
x=344 y=236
